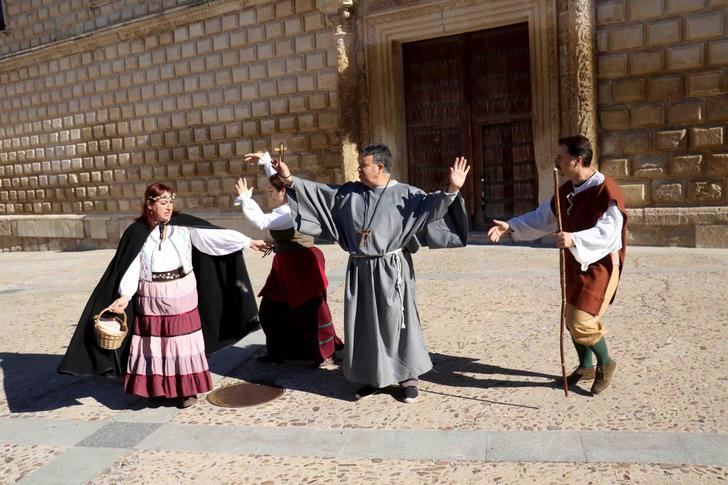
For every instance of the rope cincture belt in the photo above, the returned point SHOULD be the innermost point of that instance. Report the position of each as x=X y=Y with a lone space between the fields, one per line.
x=398 y=284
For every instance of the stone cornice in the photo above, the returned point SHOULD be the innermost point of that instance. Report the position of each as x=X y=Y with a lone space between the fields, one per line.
x=140 y=27
x=678 y=216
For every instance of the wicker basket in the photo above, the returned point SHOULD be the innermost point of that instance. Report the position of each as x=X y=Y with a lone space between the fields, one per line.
x=106 y=339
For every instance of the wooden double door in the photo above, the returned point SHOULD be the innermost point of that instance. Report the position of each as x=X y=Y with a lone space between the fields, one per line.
x=470 y=95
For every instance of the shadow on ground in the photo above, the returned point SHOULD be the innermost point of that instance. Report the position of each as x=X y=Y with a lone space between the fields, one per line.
x=327 y=381
x=31 y=383
x=460 y=371
x=449 y=370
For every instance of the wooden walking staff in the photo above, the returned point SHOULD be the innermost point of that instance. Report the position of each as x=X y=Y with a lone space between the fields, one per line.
x=562 y=271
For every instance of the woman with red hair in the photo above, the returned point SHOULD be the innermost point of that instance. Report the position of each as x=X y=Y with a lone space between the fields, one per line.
x=191 y=295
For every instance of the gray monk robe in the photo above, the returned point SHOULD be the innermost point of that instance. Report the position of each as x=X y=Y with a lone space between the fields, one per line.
x=383 y=337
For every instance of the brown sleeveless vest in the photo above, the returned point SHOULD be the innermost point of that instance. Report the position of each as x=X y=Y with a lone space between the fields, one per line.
x=585 y=289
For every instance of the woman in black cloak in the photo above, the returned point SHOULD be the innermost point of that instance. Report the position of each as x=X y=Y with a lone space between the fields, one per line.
x=190 y=294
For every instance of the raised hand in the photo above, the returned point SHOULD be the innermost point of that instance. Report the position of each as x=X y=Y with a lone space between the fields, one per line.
x=253 y=158
x=499 y=229
x=458 y=173
x=282 y=170
x=242 y=187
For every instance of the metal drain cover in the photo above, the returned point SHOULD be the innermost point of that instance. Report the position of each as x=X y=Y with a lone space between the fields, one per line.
x=244 y=394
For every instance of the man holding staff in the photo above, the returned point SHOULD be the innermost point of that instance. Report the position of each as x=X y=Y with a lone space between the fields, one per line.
x=594 y=232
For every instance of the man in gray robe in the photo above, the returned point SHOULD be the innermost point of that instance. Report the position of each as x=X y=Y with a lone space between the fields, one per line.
x=380 y=222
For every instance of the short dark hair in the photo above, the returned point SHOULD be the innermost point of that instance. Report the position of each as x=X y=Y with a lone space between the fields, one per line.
x=578 y=146
x=381 y=153
x=276 y=182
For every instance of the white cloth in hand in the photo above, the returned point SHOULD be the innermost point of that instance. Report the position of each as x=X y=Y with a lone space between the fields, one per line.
x=267 y=163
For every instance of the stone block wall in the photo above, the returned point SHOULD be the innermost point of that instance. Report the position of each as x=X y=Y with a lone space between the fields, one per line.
x=86 y=126
x=31 y=23
x=663 y=112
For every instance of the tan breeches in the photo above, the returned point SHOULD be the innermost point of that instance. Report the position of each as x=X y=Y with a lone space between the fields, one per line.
x=587 y=329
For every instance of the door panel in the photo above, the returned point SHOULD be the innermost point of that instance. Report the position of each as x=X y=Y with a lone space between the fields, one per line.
x=435 y=109
x=509 y=170
x=500 y=65
x=433 y=150
x=470 y=94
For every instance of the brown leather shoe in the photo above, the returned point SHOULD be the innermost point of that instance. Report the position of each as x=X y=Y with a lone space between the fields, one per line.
x=603 y=376
x=580 y=374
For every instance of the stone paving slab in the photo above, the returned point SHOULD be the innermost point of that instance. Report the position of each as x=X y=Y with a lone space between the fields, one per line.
x=713 y=448
x=146 y=466
x=400 y=444
x=614 y=447
x=528 y=446
x=119 y=435
x=531 y=446
x=34 y=431
x=534 y=446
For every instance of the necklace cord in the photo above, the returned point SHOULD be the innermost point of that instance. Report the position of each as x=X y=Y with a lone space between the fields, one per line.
x=365 y=225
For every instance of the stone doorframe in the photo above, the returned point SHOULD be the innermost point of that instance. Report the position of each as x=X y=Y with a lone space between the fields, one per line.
x=384 y=34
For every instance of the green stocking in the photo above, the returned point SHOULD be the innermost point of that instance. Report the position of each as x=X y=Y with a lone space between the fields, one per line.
x=585 y=355
x=600 y=350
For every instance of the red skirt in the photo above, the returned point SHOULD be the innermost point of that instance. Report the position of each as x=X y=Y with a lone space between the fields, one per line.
x=293 y=312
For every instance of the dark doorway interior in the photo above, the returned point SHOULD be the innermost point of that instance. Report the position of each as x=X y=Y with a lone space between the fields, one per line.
x=2 y=15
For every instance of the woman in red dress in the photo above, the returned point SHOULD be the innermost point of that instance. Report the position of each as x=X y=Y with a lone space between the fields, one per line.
x=293 y=312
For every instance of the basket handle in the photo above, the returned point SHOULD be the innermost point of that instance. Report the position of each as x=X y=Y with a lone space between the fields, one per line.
x=108 y=309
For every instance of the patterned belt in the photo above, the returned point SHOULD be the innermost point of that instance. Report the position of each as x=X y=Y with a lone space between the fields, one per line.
x=175 y=274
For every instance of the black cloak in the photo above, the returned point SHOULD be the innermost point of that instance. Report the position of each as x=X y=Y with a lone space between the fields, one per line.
x=227 y=305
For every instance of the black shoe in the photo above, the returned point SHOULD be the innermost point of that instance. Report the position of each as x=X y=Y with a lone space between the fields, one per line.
x=365 y=392
x=269 y=359
x=410 y=394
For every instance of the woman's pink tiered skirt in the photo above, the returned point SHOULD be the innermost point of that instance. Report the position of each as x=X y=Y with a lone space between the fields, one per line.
x=167 y=355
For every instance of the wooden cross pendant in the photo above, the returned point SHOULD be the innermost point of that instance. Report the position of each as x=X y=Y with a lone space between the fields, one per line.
x=363 y=235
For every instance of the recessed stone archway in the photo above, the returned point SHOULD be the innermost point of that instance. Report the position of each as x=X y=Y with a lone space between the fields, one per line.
x=385 y=32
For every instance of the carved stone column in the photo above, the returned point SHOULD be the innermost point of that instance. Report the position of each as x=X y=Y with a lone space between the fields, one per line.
x=582 y=65
x=341 y=13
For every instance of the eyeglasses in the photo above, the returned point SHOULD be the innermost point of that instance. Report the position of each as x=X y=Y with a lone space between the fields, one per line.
x=570 y=200
x=163 y=200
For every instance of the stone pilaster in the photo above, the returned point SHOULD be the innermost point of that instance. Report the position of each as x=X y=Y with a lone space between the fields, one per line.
x=582 y=61
x=341 y=12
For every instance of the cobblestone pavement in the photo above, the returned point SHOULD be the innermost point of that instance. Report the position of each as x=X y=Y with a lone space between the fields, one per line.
x=491 y=411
